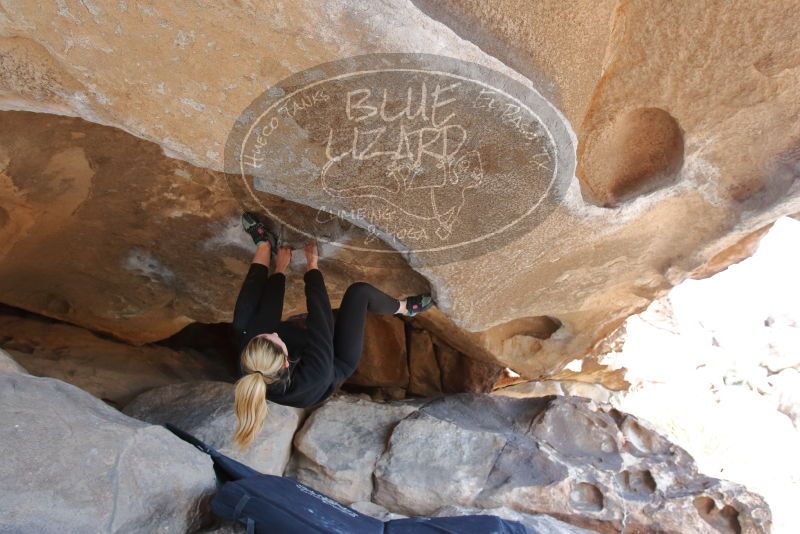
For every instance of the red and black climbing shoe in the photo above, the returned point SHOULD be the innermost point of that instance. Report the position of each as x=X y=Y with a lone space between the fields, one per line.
x=417 y=304
x=258 y=231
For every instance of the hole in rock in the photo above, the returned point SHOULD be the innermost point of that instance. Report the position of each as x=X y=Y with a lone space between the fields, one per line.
x=641 y=151
x=640 y=441
x=586 y=497
x=725 y=520
x=521 y=336
x=637 y=483
x=540 y=327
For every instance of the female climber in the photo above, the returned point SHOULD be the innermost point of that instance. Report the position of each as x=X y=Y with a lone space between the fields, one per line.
x=291 y=365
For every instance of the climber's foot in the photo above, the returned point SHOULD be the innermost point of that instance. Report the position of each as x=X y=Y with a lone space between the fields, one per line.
x=416 y=304
x=258 y=231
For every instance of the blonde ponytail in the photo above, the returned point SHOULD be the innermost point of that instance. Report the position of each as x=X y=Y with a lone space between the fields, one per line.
x=262 y=360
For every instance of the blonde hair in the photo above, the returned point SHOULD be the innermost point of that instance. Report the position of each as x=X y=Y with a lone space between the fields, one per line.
x=262 y=361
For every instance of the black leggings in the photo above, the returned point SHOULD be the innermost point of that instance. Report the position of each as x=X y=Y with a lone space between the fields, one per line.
x=264 y=299
x=348 y=337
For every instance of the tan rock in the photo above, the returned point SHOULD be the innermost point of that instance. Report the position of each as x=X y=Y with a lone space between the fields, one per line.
x=643 y=151
x=558 y=44
x=437 y=368
x=166 y=247
x=384 y=361
x=683 y=120
x=113 y=371
x=425 y=377
x=460 y=373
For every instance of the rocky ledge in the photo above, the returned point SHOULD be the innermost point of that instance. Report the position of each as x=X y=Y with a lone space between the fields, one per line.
x=73 y=463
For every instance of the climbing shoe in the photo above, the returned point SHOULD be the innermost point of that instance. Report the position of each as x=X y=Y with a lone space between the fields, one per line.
x=259 y=232
x=417 y=304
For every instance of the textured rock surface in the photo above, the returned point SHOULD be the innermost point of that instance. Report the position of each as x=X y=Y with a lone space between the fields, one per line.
x=384 y=362
x=340 y=443
x=401 y=360
x=583 y=463
x=425 y=376
x=205 y=410
x=686 y=146
x=113 y=371
x=684 y=119
x=73 y=464
x=714 y=355
x=166 y=244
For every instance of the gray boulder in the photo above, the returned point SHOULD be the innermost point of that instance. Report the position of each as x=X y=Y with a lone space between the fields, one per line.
x=566 y=457
x=205 y=410
x=73 y=464
x=415 y=480
x=338 y=447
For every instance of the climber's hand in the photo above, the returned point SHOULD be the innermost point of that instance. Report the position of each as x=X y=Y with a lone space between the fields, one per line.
x=282 y=259
x=311 y=255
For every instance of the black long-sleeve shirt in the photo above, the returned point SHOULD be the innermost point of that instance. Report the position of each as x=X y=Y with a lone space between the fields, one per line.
x=311 y=375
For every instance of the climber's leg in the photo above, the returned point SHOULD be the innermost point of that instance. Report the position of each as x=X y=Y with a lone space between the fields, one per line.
x=260 y=302
x=270 y=307
x=348 y=337
x=263 y=253
x=252 y=288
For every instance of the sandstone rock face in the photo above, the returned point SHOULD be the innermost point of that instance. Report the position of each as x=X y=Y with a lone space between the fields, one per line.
x=156 y=245
x=113 y=371
x=567 y=457
x=205 y=410
x=384 y=362
x=684 y=143
x=73 y=464
x=426 y=378
x=400 y=359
